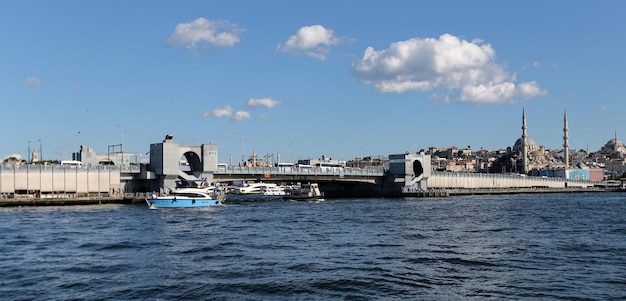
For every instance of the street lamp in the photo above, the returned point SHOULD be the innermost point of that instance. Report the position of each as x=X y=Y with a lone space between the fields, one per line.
x=75 y=137
x=122 y=144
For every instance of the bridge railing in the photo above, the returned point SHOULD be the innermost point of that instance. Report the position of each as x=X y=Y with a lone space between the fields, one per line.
x=322 y=171
x=58 y=167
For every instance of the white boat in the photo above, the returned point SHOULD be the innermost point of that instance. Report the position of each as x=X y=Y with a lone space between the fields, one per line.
x=272 y=191
x=255 y=188
x=186 y=197
x=306 y=192
x=260 y=189
x=257 y=192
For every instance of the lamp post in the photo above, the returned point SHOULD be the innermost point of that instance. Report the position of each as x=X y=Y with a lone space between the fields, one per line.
x=75 y=137
x=28 y=154
x=122 y=144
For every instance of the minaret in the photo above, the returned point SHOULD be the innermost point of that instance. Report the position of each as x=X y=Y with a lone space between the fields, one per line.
x=524 y=143
x=615 y=142
x=35 y=156
x=566 y=139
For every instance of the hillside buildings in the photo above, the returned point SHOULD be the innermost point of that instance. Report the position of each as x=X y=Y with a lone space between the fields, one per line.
x=528 y=157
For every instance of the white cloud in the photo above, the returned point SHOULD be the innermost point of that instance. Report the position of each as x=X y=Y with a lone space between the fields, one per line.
x=32 y=81
x=240 y=116
x=600 y=110
x=207 y=32
x=528 y=90
x=465 y=71
x=314 y=41
x=266 y=102
x=219 y=113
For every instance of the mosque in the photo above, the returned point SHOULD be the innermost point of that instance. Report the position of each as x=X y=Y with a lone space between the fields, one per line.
x=536 y=160
x=534 y=157
x=612 y=156
x=614 y=146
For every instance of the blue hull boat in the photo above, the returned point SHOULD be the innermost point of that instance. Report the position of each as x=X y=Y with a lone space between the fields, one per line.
x=179 y=203
x=186 y=198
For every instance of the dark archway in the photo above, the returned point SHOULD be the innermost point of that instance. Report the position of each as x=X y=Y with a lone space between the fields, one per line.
x=418 y=169
x=192 y=162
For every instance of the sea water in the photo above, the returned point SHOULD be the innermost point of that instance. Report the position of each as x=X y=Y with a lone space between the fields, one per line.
x=526 y=246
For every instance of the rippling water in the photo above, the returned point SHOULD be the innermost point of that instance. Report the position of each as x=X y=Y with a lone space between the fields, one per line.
x=551 y=246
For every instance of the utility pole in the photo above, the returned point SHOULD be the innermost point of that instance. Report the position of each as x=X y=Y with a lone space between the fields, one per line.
x=122 y=144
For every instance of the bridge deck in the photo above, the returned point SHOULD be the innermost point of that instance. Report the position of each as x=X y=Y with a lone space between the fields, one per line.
x=367 y=175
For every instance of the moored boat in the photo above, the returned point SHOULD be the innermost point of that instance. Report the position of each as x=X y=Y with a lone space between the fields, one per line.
x=272 y=191
x=306 y=192
x=256 y=188
x=257 y=192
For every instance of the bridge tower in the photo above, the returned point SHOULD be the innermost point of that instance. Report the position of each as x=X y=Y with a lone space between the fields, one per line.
x=410 y=172
x=165 y=162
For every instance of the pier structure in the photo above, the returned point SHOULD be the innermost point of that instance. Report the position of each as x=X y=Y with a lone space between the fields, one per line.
x=58 y=181
x=484 y=181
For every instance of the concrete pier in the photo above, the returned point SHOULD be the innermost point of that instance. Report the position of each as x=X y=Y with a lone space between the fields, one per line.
x=70 y=201
x=427 y=194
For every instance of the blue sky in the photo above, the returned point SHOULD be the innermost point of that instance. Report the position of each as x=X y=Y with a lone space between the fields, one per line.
x=306 y=79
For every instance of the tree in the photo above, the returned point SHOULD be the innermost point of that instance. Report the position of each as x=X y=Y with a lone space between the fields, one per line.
x=11 y=159
x=505 y=163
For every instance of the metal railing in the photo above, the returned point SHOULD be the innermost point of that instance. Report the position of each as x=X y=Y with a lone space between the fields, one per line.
x=317 y=171
x=58 y=167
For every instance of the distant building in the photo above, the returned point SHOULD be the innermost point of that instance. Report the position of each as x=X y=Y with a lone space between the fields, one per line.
x=615 y=167
x=113 y=157
x=369 y=161
x=322 y=162
x=614 y=146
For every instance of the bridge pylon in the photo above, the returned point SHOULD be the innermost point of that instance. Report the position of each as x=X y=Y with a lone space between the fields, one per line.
x=408 y=172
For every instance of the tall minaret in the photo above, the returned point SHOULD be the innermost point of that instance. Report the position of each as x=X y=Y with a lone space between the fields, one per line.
x=566 y=139
x=35 y=156
x=615 y=142
x=524 y=143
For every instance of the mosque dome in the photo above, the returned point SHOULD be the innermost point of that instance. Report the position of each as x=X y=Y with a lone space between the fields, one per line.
x=614 y=145
x=518 y=144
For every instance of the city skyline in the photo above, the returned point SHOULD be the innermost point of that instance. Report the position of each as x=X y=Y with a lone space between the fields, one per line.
x=336 y=79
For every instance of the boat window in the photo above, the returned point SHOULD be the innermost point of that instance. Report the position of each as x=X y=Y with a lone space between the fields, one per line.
x=188 y=194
